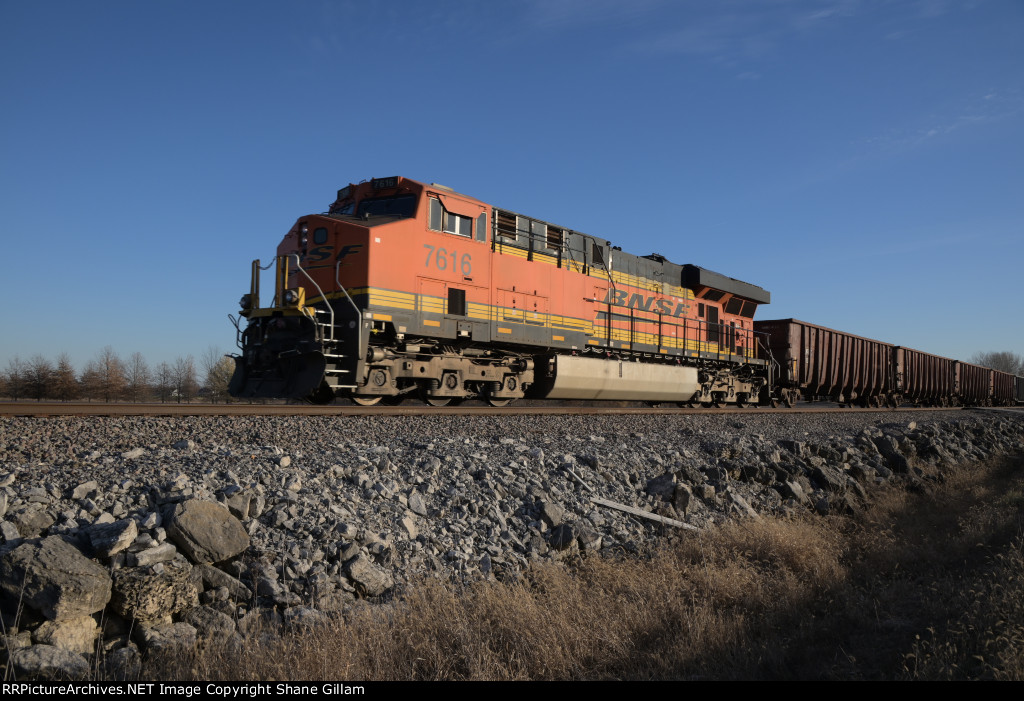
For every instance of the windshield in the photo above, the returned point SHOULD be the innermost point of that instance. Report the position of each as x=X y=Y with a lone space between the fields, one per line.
x=398 y=206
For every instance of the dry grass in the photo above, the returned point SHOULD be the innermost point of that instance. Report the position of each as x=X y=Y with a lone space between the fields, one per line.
x=920 y=586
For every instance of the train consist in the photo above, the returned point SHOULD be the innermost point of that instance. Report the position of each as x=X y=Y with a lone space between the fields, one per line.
x=814 y=361
x=404 y=288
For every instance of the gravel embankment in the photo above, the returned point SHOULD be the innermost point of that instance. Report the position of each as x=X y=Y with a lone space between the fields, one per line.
x=336 y=509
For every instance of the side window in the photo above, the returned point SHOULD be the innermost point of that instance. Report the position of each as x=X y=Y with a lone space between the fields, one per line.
x=458 y=224
x=435 y=214
x=481 y=227
x=320 y=235
x=440 y=219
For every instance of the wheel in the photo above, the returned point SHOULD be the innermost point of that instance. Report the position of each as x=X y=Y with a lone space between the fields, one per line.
x=365 y=400
x=707 y=405
x=394 y=400
x=742 y=400
x=787 y=399
x=437 y=401
x=498 y=402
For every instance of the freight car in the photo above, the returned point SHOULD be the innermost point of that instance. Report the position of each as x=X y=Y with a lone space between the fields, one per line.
x=405 y=288
x=815 y=361
x=818 y=362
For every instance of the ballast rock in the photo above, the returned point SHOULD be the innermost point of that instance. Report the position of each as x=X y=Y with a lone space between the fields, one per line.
x=206 y=532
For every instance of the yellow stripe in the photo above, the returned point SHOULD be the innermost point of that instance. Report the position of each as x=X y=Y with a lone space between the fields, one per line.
x=485 y=312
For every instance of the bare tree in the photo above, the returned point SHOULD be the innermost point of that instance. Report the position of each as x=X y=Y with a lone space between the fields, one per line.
x=14 y=378
x=65 y=383
x=104 y=377
x=91 y=383
x=217 y=372
x=164 y=381
x=1000 y=360
x=184 y=375
x=39 y=377
x=137 y=377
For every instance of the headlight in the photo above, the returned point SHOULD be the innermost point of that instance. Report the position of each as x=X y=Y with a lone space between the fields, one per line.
x=291 y=296
x=245 y=302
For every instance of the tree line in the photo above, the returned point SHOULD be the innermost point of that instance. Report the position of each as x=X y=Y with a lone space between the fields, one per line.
x=109 y=378
x=1000 y=360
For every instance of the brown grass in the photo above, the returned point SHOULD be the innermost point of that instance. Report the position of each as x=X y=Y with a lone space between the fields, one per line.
x=926 y=584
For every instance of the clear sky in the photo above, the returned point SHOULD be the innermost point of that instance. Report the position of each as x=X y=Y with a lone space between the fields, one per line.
x=862 y=160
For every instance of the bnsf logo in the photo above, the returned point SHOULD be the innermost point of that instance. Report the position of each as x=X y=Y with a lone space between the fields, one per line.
x=618 y=298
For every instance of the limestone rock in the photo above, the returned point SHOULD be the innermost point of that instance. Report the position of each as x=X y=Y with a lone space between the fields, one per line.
x=162 y=639
x=110 y=538
x=165 y=552
x=53 y=577
x=123 y=664
x=206 y=532
x=742 y=506
x=563 y=536
x=417 y=505
x=368 y=578
x=214 y=578
x=212 y=626
x=552 y=513
x=85 y=489
x=304 y=617
x=31 y=521
x=76 y=634
x=46 y=662
x=682 y=498
x=146 y=596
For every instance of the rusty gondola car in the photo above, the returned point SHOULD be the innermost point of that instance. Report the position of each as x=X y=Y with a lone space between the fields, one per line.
x=925 y=379
x=816 y=361
x=1003 y=388
x=973 y=384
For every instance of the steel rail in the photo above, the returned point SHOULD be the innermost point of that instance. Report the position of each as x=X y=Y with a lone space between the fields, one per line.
x=44 y=409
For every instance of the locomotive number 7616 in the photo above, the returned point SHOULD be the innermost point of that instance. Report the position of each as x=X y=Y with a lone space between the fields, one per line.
x=441 y=258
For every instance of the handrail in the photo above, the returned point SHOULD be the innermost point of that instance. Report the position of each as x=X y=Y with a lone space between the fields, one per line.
x=776 y=367
x=322 y=295
x=359 y=314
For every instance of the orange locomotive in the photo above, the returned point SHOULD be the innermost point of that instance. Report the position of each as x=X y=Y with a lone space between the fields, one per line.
x=406 y=288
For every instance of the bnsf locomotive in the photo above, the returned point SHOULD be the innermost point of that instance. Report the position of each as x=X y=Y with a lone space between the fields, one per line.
x=404 y=288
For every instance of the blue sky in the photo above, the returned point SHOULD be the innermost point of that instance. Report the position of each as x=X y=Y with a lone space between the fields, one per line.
x=862 y=160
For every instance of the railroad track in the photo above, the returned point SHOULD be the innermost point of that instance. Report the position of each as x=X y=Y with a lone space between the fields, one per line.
x=43 y=409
